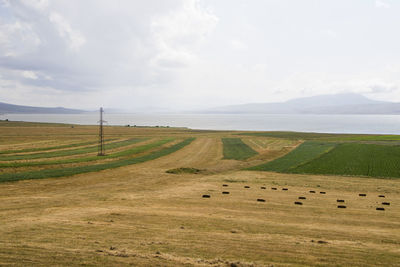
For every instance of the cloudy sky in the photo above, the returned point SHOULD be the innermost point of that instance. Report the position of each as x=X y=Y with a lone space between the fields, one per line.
x=184 y=54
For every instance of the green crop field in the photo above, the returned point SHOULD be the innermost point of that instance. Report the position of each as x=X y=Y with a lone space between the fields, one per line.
x=63 y=153
x=234 y=148
x=351 y=159
x=50 y=148
x=8 y=177
x=127 y=152
x=304 y=153
x=357 y=160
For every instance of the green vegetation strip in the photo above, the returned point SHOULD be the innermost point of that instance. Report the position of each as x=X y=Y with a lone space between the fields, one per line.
x=356 y=159
x=302 y=154
x=50 y=148
x=234 y=148
x=64 y=153
x=9 y=177
x=128 y=152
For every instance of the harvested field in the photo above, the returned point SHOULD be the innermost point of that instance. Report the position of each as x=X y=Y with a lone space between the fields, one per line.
x=138 y=214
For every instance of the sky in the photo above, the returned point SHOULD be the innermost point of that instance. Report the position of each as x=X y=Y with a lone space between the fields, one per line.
x=195 y=54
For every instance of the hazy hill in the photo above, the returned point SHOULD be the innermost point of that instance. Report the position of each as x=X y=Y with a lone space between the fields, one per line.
x=13 y=109
x=322 y=104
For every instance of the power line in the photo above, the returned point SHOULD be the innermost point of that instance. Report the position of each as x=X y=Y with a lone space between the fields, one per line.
x=102 y=149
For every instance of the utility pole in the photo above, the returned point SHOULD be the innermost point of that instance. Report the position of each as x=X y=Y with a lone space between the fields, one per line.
x=101 y=150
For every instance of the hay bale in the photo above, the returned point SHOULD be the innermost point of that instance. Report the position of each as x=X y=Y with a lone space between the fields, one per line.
x=298 y=203
x=246 y=186
x=225 y=193
x=323 y=193
x=362 y=195
x=381 y=195
x=225 y=185
x=285 y=189
x=206 y=196
x=274 y=188
x=312 y=191
x=379 y=208
x=302 y=197
x=340 y=200
x=260 y=200
x=341 y=206
x=263 y=187
x=386 y=203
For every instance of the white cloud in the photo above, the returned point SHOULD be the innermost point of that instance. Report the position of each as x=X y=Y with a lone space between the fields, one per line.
x=182 y=53
x=238 y=45
x=29 y=75
x=381 y=4
x=17 y=39
x=178 y=33
x=39 y=5
x=74 y=38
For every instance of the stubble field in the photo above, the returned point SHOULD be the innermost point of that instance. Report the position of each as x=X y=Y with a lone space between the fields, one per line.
x=138 y=214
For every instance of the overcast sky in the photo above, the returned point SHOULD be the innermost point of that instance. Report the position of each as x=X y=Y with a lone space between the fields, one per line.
x=185 y=54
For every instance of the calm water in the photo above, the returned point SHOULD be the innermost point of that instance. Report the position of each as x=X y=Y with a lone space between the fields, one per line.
x=382 y=124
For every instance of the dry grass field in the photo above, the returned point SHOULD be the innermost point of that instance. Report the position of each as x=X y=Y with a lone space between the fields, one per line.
x=140 y=215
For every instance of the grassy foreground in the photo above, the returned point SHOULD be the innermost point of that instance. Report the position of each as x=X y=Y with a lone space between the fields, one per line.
x=140 y=215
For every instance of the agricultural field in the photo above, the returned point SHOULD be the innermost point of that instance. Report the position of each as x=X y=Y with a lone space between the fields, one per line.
x=303 y=154
x=234 y=148
x=326 y=136
x=357 y=160
x=168 y=197
x=329 y=158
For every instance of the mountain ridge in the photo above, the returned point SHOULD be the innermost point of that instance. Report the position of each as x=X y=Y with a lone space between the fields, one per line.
x=6 y=108
x=349 y=103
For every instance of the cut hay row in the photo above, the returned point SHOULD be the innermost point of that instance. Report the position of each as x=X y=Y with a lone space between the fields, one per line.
x=261 y=143
x=270 y=144
x=127 y=152
x=53 y=173
x=234 y=148
x=63 y=153
x=36 y=149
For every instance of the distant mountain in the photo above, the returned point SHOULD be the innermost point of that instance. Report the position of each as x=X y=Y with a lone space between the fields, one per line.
x=17 y=109
x=321 y=104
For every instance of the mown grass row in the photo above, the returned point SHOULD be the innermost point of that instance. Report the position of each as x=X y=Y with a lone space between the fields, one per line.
x=128 y=152
x=305 y=152
x=53 y=173
x=356 y=160
x=35 y=149
x=234 y=148
x=63 y=153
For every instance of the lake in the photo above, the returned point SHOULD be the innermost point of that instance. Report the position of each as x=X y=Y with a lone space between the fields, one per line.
x=369 y=124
